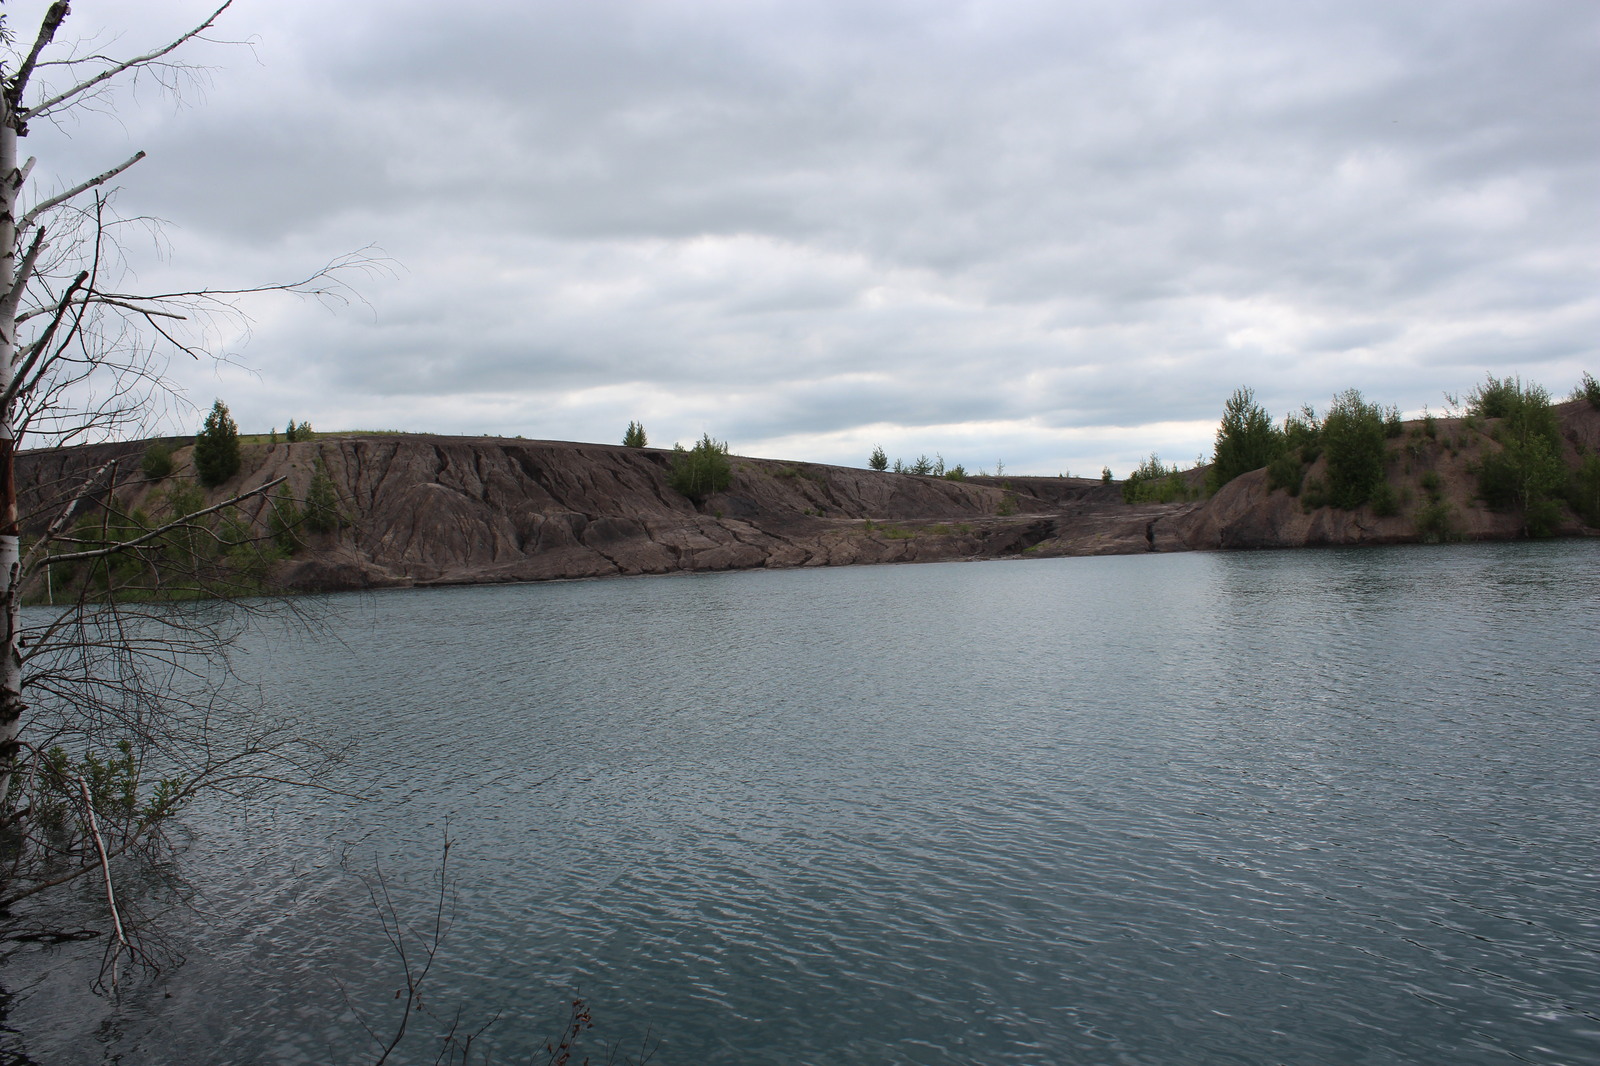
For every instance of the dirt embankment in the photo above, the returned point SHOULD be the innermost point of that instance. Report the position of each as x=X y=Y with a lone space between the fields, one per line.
x=450 y=510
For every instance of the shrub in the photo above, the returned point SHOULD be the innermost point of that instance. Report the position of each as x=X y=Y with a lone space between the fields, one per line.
x=216 y=447
x=157 y=462
x=1430 y=425
x=1495 y=397
x=634 y=436
x=283 y=521
x=1392 y=426
x=702 y=470
x=1436 y=523
x=878 y=460
x=322 y=513
x=1105 y=475
x=1246 y=440
x=922 y=465
x=1583 y=493
x=1590 y=390
x=1385 y=504
x=1353 y=435
x=956 y=473
x=1303 y=433
x=1527 y=471
x=1153 y=482
x=1286 y=472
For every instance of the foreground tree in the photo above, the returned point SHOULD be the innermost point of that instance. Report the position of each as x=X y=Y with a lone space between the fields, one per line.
x=120 y=727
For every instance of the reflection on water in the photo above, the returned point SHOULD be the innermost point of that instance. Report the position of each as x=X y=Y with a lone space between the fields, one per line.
x=1280 y=807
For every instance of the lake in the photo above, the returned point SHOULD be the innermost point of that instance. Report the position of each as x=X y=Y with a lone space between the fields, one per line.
x=1292 y=807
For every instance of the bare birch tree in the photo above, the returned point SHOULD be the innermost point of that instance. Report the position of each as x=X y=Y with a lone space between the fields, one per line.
x=126 y=724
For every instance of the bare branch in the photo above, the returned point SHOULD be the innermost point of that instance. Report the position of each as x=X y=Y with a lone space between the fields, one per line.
x=82 y=187
x=186 y=520
x=53 y=18
x=82 y=87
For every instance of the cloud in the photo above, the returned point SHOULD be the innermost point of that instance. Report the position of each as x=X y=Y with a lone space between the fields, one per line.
x=1040 y=228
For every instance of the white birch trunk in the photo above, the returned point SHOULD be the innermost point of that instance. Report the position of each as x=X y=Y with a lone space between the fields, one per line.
x=11 y=705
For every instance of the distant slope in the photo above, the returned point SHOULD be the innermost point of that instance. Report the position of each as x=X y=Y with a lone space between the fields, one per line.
x=428 y=510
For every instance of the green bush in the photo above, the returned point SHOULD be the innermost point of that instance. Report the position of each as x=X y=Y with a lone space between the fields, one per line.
x=1302 y=433
x=1154 y=482
x=216 y=447
x=702 y=470
x=1583 y=493
x=1286 y=472
x=956 y=473
x=1385 y=504
x=1246 y=440
x=1352 y=436
x=1105 y=475
x=1589 y=390
x=157 y=462
x=1495 y=398
x=1526 y=472
x=634 y=436
x=322 y=513
x=1436 y=523
x=878 y=460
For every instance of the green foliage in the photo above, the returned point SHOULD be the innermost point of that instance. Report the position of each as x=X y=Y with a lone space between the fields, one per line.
x=1392 y=426
x=322 y=513
x=1105 y=475
x=1527 y=472
x=1436 y=523
x=1302 y=433
x=283 y=522
x=702 y=470
x=1153 y=482
x=113 y=782
x=922 y=465
x=956 y=473
x=157 y=462
x=1583 y=493
x=1246 y=440
x=1286 y=472
x=1353 y=435
x=1495 y=398
x=1589 y=390
x=878 y=460
x=1008 y=505
x=634 y=436
x=216 y=447
x=1430 y=425
x=1385 y=504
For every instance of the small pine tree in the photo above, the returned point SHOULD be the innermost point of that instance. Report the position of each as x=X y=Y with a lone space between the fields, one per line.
x=1105 y=475
x=322 y=503
x=289 y=432
x=635 y=436
x=157 y=462
x=878 y=460
x=216 y=447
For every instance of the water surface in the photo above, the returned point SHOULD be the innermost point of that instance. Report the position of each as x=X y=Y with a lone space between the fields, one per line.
x=1308 y=807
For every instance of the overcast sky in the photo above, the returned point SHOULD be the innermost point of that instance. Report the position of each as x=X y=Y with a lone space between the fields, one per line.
x=1052 y=234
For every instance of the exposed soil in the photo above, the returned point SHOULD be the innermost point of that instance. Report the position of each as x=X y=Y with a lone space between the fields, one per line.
x=429 y=510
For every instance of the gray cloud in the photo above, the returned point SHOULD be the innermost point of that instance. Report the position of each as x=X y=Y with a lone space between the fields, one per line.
x=1031 y=227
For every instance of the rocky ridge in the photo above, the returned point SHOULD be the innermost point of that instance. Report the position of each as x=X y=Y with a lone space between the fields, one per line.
x=428 y=510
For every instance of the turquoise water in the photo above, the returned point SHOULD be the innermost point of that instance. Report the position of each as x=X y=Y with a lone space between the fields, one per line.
x=1310 y=807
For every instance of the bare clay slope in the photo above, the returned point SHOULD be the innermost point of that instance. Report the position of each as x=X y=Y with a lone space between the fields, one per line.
x=450 y=510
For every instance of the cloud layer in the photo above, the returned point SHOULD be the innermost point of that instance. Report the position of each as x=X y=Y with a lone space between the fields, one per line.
x=1053 y=235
